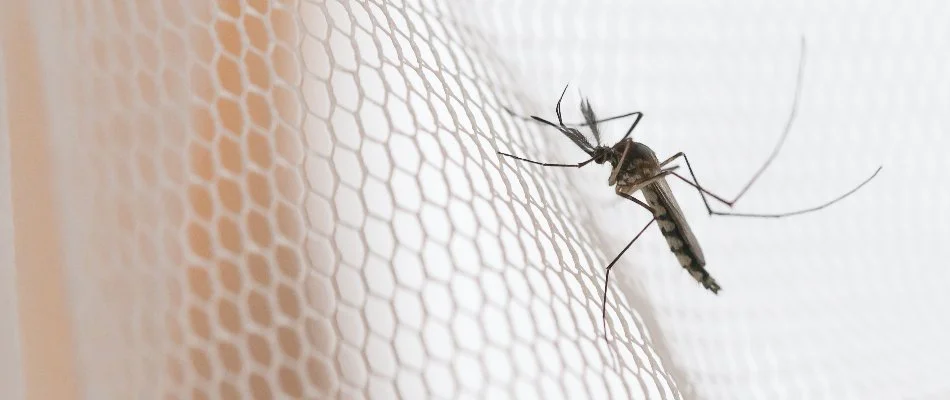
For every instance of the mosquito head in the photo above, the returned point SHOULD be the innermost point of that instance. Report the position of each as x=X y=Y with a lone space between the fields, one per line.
x=603 y=154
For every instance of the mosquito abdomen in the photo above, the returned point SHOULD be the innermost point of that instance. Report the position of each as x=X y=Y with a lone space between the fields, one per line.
x=680 y=238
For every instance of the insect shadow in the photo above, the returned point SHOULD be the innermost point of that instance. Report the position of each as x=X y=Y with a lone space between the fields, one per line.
x=635 y=167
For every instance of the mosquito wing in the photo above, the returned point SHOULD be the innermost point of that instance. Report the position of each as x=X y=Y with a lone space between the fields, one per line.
x=673 y=224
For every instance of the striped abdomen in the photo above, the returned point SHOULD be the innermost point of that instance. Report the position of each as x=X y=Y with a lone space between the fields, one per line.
x=677 y=233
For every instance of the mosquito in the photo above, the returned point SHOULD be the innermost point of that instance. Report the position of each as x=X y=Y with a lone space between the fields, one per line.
x=635 y=167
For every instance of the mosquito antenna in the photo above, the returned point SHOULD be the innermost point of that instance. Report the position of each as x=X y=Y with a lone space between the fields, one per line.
x=591 y=119
x=571 y=133
x=788 y=124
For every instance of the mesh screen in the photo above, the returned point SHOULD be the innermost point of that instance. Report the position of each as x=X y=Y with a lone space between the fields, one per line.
x=302 y=199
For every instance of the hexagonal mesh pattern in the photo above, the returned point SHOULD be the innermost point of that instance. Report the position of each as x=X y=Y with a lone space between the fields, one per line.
x=302 y=199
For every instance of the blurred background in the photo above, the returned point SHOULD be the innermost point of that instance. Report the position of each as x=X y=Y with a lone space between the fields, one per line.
x=302 y=199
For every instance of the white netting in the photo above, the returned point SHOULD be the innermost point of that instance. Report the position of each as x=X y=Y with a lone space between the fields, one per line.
x=301 y=199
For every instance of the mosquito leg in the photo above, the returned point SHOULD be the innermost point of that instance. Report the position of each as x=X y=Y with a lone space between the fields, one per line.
x=638 y=201
x=563 y=127
x=635 y=186
x=608 y=119
x=779 y=215
x=543 y=164
x=788 y=125
x=617 y=258
x=623 y=158
x=702 y=192
x=560 y=120
x=632 y=126
x=557 y=108
x=573 y=124
x=775 y=151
